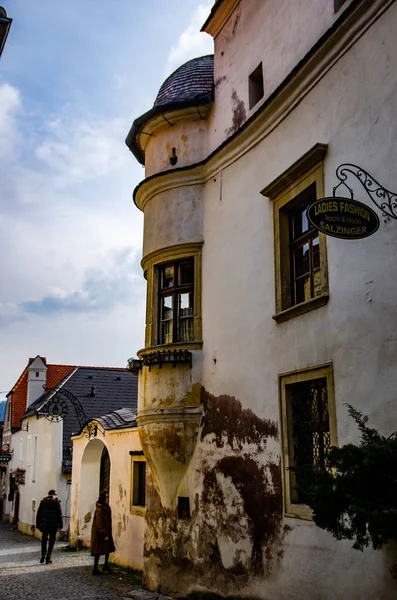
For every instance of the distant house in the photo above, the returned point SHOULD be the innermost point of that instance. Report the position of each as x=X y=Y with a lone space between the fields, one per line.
x=30 y=385
x=41 y=445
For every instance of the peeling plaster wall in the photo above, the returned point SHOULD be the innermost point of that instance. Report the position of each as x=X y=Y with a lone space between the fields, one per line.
x=237 y=540
x=182 y=385
x=128 y=524
x=189 y=140
x=278 y=34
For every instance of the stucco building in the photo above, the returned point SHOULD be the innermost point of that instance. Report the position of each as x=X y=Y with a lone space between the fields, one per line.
x=48 y=404
x=117 y=440
x=256 y=324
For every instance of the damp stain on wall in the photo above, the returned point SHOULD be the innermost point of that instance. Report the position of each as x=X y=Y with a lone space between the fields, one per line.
x=239 y=114
x=235 y=530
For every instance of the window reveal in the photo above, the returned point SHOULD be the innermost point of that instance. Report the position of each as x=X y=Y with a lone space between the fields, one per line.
x=176 y=302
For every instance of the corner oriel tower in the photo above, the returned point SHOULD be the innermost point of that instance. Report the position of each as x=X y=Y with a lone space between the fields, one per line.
x=167 y=140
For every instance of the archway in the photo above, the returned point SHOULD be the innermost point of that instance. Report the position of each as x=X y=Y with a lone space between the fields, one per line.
x=94 y=473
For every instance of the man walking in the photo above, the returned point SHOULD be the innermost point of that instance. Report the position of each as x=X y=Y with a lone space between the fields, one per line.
x=48 y=521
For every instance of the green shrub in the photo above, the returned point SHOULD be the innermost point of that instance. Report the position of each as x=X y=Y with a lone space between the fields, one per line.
x=356 y=497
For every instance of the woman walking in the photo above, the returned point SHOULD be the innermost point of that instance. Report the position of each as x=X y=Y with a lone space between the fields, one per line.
x=101 y=533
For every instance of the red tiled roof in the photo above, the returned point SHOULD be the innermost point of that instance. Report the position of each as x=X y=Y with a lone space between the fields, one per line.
x=55 y=374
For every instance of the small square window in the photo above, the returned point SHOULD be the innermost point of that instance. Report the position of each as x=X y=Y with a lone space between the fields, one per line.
x=255 y=86
x=139 y=483
x=183 y=508
x=37 y=373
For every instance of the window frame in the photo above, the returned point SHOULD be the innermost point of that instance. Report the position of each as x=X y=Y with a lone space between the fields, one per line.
x=291 y=508
x=291 y=189
x=150 y=264
x=137 y=508
x=174 y=292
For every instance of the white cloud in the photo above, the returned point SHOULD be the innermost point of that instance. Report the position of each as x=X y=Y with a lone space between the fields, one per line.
x=191 y=43
x=78 y=151
x=10 y=106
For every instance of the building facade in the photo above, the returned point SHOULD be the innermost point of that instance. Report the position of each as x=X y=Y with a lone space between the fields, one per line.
x=256 y=324
x=44 y=421
x=114 y=453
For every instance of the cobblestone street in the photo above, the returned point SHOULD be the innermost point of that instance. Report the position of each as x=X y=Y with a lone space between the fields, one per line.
x=69 y=576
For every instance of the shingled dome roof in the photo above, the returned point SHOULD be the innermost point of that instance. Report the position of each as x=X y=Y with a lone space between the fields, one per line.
x=191 y=82
x=190 y=85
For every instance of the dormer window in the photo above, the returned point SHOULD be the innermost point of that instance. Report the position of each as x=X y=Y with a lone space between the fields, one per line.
x=255 y=86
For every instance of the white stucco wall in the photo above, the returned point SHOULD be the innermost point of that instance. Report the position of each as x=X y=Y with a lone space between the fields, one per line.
x=352 y=109
x=43 y=472
x=128 y=523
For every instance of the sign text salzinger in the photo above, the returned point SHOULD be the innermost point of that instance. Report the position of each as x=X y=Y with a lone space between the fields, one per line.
x=343 y=218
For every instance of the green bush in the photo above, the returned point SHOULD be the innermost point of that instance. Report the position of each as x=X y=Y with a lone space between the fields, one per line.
x=356 y=497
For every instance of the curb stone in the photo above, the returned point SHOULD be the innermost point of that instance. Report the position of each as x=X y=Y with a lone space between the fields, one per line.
x=140 y=594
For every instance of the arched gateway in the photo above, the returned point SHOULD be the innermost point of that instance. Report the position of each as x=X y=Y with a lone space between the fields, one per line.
x=94 y=476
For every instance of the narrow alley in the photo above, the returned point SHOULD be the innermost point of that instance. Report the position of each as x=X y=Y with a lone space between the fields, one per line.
x=69 y=576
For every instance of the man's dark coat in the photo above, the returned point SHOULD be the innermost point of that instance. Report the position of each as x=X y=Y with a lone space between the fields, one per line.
x=49 y=515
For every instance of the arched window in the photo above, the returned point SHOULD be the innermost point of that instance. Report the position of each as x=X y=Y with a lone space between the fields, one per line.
x=104 y=477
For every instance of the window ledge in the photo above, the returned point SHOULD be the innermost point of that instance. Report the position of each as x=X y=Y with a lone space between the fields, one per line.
x=140 y=511
x=302 y=308
x=172 y=346
x=299 y=511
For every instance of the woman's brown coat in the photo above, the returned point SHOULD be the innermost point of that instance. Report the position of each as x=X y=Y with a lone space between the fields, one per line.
x=102 y=528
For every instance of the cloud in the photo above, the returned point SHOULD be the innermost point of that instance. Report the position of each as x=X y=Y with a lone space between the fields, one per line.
x=117 y=281
x=191 y=43
x=78 y=150
x=10 y=107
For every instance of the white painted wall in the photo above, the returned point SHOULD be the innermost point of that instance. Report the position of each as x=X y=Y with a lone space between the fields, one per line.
x=37 y=376
x=128 y=524
x=352 y=109
x=38 y=450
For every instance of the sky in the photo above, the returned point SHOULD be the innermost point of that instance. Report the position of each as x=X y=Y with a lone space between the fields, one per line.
x=73 y=77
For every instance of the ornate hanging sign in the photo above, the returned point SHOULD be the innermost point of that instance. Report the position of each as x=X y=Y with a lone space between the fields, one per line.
x=347 y=218
x=5 y=457
x=343 y=218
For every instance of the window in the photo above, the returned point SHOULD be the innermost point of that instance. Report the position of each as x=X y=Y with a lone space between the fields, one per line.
x=255 y=86
x=173 y=306
x=309 y=431
x=183 y=507
x=301 y=273
x=304 y=253
x=138 y=483
x=176 y=301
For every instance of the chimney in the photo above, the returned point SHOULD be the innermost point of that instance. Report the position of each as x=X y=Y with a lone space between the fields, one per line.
x=37 y=377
